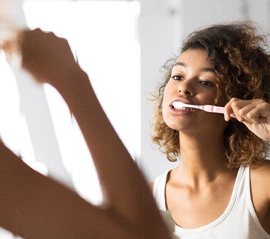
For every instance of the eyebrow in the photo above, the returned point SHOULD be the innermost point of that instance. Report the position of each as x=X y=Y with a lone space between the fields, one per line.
x=205 y=69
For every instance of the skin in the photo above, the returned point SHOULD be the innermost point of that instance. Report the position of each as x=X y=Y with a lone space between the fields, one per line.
x=202 y=178
x=34 y=206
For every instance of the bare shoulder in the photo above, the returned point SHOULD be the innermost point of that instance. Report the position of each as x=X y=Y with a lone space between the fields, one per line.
x=260 y=175
x=261 y=168
x=260 y=192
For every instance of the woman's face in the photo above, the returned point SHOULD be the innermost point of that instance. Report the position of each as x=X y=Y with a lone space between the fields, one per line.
x=193 y=81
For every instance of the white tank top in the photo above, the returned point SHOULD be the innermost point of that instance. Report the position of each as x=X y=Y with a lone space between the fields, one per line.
x=238 y=221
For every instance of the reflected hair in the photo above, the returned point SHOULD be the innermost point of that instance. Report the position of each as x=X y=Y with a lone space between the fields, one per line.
x=242 y=65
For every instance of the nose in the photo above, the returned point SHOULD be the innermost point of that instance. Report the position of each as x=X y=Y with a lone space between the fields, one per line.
x=185 y=88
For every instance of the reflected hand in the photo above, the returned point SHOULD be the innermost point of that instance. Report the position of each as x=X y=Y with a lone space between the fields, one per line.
x=255 y=114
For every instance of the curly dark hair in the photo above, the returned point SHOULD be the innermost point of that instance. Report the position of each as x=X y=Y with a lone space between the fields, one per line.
x=242 y=64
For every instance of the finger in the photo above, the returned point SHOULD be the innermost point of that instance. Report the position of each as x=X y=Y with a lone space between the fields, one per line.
x=258 y=114
x=252 y=111
x=229 y=109
x=245 y=113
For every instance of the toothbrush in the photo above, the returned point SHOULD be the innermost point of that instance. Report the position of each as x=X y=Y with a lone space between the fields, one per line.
x=207 y=108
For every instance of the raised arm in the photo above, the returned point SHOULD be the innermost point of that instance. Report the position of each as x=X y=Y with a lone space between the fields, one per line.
x=34 y=206
x=129 y=210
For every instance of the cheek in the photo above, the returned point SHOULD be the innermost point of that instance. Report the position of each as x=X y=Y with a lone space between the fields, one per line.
x=164 y=109
x=165 y=101
x=166 y=94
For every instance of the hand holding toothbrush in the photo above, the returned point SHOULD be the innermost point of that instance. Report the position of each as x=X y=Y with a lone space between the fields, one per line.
x=255 y=114
x=49 y=58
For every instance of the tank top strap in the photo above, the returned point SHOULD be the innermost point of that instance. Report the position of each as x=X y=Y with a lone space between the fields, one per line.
x=159 y=190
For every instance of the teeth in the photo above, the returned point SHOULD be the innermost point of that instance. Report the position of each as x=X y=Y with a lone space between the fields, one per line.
x=184 y=108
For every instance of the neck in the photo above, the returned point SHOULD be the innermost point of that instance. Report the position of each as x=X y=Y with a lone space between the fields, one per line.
x=202 y=158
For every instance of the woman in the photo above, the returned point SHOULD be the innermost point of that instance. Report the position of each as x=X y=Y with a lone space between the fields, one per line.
x=221 y=187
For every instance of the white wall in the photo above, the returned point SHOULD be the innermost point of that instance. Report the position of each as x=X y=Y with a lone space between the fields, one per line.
x=159 y=31
x=163 y=25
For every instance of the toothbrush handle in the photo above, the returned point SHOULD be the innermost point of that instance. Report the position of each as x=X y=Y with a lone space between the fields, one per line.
x=213 y=109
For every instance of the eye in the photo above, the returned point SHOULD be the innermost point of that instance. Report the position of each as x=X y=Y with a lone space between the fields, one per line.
x=177 y=77
x=206 y=83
